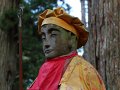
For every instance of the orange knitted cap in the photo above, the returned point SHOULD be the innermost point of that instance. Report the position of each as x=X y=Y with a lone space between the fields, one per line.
x=61 y=18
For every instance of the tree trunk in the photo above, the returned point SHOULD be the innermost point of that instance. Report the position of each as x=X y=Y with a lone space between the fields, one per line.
x=103 y=48
x=8 y=50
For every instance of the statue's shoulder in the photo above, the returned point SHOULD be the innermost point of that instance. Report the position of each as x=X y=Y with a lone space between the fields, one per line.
x=83 y=63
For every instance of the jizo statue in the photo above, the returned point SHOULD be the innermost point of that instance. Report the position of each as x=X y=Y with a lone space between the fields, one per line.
x=63 y=68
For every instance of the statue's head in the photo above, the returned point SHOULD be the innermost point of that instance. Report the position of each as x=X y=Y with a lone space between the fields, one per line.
x=57 y=41
x=60 y=32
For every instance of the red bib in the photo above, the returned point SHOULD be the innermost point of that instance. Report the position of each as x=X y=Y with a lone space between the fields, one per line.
x=50 y=73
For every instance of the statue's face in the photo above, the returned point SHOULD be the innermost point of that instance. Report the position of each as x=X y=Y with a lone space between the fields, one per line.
x=55 y=41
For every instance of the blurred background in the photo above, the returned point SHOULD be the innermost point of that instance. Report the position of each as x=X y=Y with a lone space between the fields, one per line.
x=100 y=17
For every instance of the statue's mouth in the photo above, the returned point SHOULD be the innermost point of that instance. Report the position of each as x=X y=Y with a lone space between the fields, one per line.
x=47 y=51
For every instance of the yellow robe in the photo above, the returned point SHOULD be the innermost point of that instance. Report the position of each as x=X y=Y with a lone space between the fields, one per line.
x=81 y=75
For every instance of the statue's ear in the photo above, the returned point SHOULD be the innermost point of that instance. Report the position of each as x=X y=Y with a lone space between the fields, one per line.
x=73 y=42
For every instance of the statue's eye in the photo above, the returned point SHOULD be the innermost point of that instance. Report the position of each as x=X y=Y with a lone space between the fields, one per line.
x=53 y=35
x=43 y=38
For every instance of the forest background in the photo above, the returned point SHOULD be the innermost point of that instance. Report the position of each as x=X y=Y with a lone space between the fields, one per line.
x=102 y=49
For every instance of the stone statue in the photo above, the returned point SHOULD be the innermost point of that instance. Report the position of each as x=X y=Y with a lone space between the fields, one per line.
x=63 y=68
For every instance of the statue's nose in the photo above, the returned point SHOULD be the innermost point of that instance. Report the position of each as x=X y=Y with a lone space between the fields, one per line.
x=46 y=44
